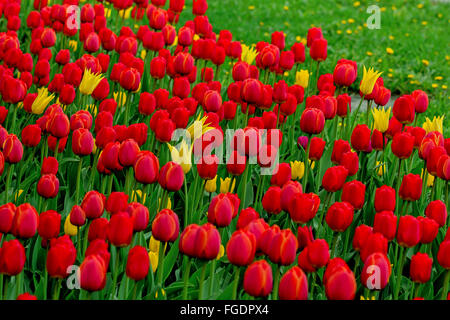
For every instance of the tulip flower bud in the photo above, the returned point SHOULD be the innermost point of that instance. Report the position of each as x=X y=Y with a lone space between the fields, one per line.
x=437 y=211
x=271 y=200
x=361 y=137
x=294 y=285
x=376 y=271
x=312 y=121
x=171 y=176
x=31 y=135
x=409 y=231
x=7 y=212
x=25 y=222
x=116 y=202
x=420 y=267
x=12 y=258
x=421 y=101
x=318 y=50
x=140 y=216
x=82 y=142
x=303 y=207
x=385 y=223
x=202 y=242
x=411 y=187
x=428 y=229
x=334 y=178
x=318 y=253
x=49 y=166
x=345 y=72
x=61 y=255
x=49 y=224
x=384 y=199
x=93 y=273
x=339 y=216
x=77 y=216
x=288 y=191
x=340 y=284
x=354 y=193
x=402 y=145
x=166 y=226
x=282 y=249
x=93 y=204
x=443 y=255
x=403 y=109
x=146 y=168
x=258 y=280
x=138 y=263
x=362 y=232
x=12 y=149
x=98 y=229
x=241 y=248
x=375 y=242
x=120 y=229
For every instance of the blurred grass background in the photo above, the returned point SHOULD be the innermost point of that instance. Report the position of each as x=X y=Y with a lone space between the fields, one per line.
x=411 y=47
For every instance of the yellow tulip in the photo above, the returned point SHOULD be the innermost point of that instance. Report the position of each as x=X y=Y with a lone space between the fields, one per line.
x=169 y=203
x=297 y=169
x=198 y=128
x=153 y=256
x=302 y=78
x=381 y=118
x=227 y=185
x=69 y=228
x=381 y=168
x=182 y=156
x=153 y=244
x=436 y=125
x=211 y=185
x=248 y=54
x=430 y=179
x=42 y=100
x=89 y=82
x=369 y=79
x=120 y=98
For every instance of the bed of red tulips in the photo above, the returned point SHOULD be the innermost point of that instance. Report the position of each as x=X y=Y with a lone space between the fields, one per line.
x=145 y=159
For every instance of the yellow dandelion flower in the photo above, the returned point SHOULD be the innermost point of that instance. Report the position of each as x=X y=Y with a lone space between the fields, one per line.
x=348 y=31
x=227 y=185
x=89 y=82
x=251 y=7
x=351 y=20
x=381 y=118
x=261 y=23
x=368 y=81
x=438 y=78
x=369 y=53
x=343 y=21
x=389 y=51
x=42 y=100
x=356 y=4
x=424 y=23
x=339 y=31
x=390 y=75
x=302 y=78
x=410 y=76
x=391 y=37
x=420 y=5
x=286 y=8
x=434 y=85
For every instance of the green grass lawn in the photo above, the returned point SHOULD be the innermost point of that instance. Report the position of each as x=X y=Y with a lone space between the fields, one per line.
x=416 y=31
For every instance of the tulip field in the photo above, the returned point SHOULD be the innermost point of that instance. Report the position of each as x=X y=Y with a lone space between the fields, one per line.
x=165 y=150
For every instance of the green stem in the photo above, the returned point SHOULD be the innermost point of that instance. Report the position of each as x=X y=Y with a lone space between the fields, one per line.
x=8 y=181
x=160 y=267
x=399 y=272
x=445 y=288
x=306 y=162
x=235 y=282
x=57 y=289
x=211 y=279
x=333 y=246
x=186 y=278
x=77 y=192
x=276 y=283
x=202 y=279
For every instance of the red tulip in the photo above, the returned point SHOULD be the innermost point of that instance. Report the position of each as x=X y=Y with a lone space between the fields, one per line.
x=271 y=200
x=49 y=224
x=294 y=285
x=12 y=258
x=409 y=231
x=138 y=263
x=375 y=242
x=258 y=281
x=312 y=121
x=437 y=211
x=202 y=242
x=166 y=226
x=282 y=248
x=116 y=202
x=376 y=271
x=362 y=232
x=385 y=223
x=428 y=229
x=93 y=204
x=318 y=50
x=26 y=221
x=340 y=282
x=120 y=229
x=241 y=248
x=354 y=193
x=403 y=109
x=384 y=199
x=361 y=137
x=171 y=176
x=318 y=253
x=420 y=268
x=146 y=168
x=334 y=178
x=60 y=256
x=339 y=216
x=222 y=209
x=443 y=255
x=93 y=273
x=411 y=187
x=303 y=207
x=7 y=212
